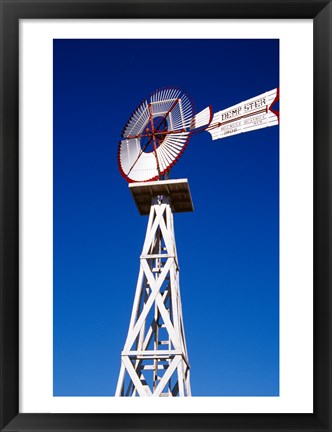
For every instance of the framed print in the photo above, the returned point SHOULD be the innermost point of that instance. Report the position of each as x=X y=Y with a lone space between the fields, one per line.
x=99 y=100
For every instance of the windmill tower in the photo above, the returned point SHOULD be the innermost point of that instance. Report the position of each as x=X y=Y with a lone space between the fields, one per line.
x=155 y=355
x=154 y=360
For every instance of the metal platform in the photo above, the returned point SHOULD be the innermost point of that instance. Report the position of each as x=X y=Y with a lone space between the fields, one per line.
x=177 y=190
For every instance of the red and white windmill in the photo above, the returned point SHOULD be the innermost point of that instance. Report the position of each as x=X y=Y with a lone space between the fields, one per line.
x=154 y=360
x=158 y=131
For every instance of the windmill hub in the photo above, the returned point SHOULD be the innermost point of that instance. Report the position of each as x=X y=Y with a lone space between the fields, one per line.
x=155 y=132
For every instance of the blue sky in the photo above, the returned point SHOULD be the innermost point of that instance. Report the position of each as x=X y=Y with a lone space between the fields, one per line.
x=228 y=247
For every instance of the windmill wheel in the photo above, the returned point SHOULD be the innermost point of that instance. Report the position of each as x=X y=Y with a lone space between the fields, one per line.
x=155 y=135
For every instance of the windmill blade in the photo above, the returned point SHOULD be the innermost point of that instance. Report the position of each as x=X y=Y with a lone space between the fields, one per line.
x=249 y=115
x=203 y=118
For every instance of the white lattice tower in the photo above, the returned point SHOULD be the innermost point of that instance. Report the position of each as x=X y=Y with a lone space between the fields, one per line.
x=154 y=360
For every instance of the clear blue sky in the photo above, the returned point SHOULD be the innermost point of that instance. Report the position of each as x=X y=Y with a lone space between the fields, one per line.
x=228 y=247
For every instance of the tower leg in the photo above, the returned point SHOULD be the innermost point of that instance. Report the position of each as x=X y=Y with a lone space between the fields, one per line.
x=154 y=360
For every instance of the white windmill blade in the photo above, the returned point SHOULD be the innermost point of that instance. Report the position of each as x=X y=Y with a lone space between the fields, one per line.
x=203 y=118
x=246 y=116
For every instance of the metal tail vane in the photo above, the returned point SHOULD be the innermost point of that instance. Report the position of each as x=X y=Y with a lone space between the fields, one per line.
x=159 y=129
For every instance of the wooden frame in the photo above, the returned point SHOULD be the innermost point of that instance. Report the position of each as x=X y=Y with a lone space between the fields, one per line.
x=11 y=12
x=158 y=283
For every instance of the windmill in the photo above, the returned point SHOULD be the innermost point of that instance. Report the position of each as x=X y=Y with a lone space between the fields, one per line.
x=154 y=360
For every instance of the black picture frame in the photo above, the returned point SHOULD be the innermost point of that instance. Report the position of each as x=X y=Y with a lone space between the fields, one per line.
x=11 y=12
